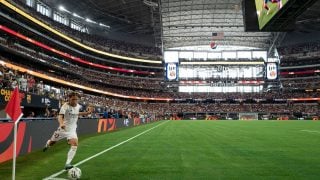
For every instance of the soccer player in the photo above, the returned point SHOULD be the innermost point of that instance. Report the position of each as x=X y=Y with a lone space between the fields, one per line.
x=68 y=117
x=265 y=4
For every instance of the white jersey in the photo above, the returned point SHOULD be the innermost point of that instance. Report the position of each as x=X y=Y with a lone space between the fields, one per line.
x=71 y=115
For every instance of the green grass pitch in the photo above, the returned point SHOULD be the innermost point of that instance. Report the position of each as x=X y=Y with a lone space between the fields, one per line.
x=264 y=18
x=188 y=150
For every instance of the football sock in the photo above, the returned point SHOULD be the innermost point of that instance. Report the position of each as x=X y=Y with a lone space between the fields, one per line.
x=71 y=154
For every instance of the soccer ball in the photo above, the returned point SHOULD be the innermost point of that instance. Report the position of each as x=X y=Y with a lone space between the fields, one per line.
x=74 y=173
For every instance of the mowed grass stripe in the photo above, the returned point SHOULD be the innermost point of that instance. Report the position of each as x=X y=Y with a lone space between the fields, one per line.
x=214 y=150
x=191 y=150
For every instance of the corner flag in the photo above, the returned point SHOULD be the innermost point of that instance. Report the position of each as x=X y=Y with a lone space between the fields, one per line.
x=13 y=108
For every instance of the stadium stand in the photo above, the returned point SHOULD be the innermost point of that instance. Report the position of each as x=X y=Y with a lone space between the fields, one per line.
x=245 y=76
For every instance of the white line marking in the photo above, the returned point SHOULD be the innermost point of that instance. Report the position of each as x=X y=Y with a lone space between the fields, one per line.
x=106 y=150
x=310 y=131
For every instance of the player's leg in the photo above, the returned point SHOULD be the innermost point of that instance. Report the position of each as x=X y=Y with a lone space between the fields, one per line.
x=280 y=4
x=57 y=135
x=73 y=142
x=265 y=4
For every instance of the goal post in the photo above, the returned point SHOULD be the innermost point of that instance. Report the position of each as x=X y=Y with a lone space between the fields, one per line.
x=248 y=116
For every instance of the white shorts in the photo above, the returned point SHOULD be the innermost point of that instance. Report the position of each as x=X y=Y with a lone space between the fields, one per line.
x=61 y=133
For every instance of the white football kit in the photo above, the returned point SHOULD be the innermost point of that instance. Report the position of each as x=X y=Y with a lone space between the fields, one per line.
x=71 y=115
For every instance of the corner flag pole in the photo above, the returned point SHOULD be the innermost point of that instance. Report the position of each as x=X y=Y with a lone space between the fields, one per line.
x=15 y=147
x=13 y=110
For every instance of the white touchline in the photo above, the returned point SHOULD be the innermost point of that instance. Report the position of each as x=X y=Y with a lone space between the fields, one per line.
x=106 y=150
x=310 y=131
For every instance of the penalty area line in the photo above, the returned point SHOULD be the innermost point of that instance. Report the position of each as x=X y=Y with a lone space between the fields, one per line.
x=104 y=151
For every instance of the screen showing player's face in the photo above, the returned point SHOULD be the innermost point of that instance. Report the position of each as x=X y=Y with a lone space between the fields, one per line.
x=272 y=71
x=171 y=71
x=266 y=9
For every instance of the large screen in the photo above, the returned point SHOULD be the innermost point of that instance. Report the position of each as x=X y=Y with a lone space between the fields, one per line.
x=272 y=71
x=220 y=72
x=266 y=9
x=172 y=71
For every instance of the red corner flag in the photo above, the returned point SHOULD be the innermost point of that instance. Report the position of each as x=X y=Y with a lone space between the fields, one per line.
x=13 y=108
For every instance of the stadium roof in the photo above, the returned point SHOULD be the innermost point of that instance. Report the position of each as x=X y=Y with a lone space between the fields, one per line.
x=184 y=22
x=310 y=19
x=179 y=23
x=192 y=22
x=129 y=16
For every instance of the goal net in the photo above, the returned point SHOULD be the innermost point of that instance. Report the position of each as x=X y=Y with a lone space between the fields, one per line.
x=248 y=116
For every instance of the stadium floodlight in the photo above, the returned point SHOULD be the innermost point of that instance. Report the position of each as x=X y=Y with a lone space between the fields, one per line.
x=76 y=15
x=103 y=25
x=91 y=21
x=61 y=8
x=150 y=3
